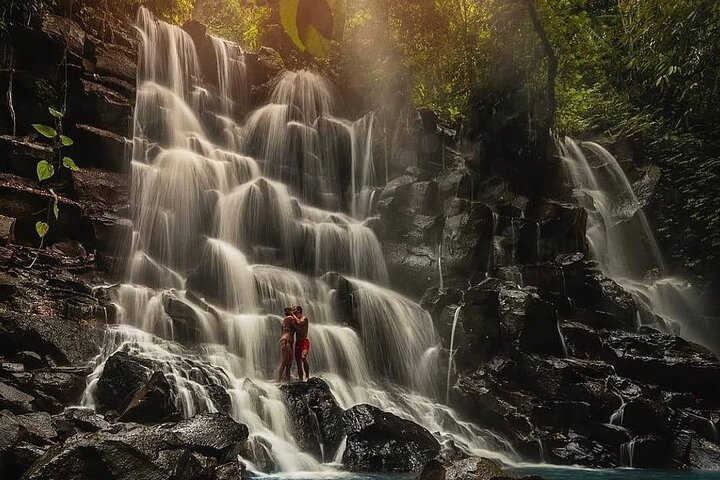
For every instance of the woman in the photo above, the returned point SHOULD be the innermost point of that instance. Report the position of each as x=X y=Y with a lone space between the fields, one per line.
x=302 y=347
x=287 y=338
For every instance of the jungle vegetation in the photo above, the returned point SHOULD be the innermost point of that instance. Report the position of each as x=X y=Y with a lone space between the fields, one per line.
x=640 y=71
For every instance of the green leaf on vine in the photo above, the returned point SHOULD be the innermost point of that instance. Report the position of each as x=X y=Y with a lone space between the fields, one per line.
x=44 y=130
x=70 y=164
x=56 y=209
x=42 y=229
x=66 y=141
x=55 y=113
x=45 y=170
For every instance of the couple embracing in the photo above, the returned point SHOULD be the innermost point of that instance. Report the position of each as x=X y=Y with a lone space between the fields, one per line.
x=294 y=334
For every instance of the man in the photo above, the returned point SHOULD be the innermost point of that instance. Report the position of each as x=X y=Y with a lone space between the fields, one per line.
x=302 y=344
x=287 y=336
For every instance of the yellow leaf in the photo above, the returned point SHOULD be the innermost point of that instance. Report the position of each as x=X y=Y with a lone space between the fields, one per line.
x=316 y=43
x=288 y=19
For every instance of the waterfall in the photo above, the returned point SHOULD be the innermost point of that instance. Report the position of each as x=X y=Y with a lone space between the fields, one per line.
x=234 y=221
x=451 y=353
x=621 y=240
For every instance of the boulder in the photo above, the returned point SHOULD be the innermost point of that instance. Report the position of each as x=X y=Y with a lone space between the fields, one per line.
x=212 y=434
x=381 y=442
x=467 y=237
x=122 y=375
x=128 y=454
x=78 y=420
x=694 y=452
x=152 y=403
x=14 y=400
x=65 y=384
x=664 y=360
x=473 y=469
x=317 y=420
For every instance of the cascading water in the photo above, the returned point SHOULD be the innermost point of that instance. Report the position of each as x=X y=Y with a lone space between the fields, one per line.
x=249 y=217
x=621 y=240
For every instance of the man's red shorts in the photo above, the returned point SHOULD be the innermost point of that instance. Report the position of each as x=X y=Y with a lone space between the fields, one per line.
x=302 y=346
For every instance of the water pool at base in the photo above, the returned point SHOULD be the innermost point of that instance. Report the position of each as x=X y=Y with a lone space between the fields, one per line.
x=548 y=473
x=552 y=473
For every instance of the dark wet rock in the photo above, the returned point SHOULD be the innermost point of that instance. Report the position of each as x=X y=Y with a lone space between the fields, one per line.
x=23 y=439
x=67 y=33
x=122 y=375
x=183 y=463
x=65 y=384
x=22 y=199
x=473 y=469
x=229 y=471
x=343 y=297
x=561 y=228
x=664 y=360
x=152 y=403
x=30 y=360
x=220 y=398
x=378 y=441
x=22 y=457
x=99 y=189
x=20 y=157
x=15 y=400
x=115 y=61
x=647 y=451
x=78 y=420
x=7 y=230
x=103 y=107
x=99 y=148
x=576 y=449
x=107 y=455
x=71 y=343
x=694 y=452
x=315 y=415
x=213 y=435
x=467 y=237
x=704 y=423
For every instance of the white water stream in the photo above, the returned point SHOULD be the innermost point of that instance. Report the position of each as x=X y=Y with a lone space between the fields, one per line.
x=621 y=240
x=256 y=206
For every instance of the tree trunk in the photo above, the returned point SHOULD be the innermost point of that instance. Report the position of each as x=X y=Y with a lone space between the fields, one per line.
x=552 y=61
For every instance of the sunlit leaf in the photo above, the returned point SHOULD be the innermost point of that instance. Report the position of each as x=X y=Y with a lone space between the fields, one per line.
x=56 y=209
x=55 y=113
x=312 y=24
x=45 y=131
x=45 y=170
x=288 y=19
x=42 y=229
x=66 y=141
x=70 y=164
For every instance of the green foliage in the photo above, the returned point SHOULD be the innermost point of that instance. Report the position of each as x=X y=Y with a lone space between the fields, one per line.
x=45 y=131
x=45 y=170
x=241 y=21
x=42 y=228
x=70 y=164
